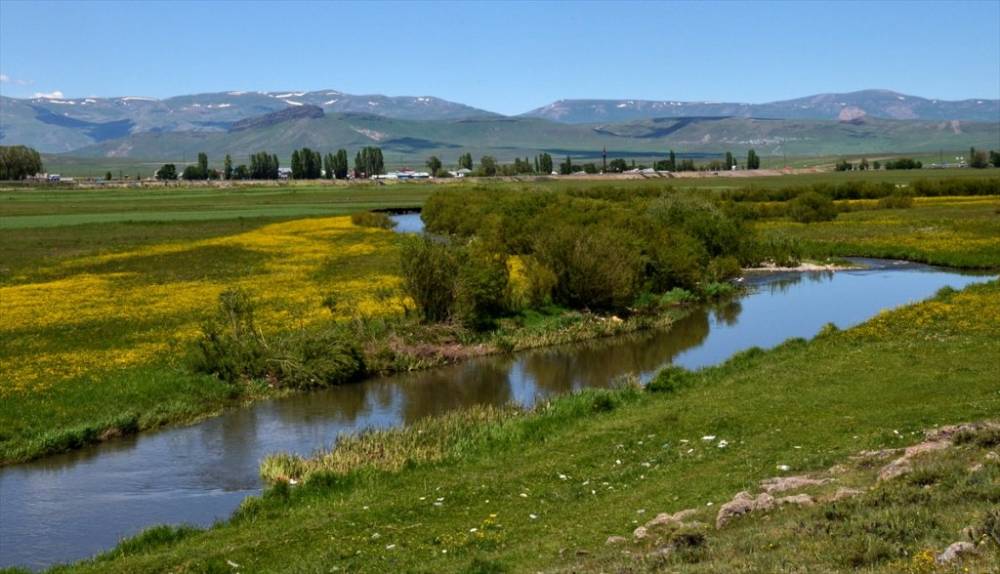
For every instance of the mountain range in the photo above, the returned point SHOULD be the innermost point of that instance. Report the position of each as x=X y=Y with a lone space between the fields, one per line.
x=410 y=128
x=872 y=103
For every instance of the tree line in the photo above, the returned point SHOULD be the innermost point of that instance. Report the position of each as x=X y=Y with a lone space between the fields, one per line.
x=370 y=161
x=19 y=162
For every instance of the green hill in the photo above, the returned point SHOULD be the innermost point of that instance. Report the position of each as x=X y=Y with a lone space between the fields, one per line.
x=412 y=141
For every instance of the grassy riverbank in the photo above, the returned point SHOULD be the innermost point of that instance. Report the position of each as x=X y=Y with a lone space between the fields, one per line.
x=952 y=231
x=495 y=491
x=100 y=320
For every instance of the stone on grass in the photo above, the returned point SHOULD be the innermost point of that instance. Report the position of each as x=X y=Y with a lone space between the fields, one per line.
x=955 y=552
x=783 y=483
x=612 y=540
x=797 y=499
x=743 y=503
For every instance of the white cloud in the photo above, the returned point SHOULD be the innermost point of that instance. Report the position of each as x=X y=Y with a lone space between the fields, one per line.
x=56 y=95
x=5 y=79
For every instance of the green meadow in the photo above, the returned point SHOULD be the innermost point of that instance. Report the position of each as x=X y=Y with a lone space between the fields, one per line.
x=505 y=491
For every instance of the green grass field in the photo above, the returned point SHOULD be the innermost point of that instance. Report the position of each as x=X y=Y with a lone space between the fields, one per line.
x=953 y=231
x=544 y=491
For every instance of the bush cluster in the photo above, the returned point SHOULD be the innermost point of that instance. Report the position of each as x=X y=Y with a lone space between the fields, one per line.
x=233 y=348
x=811 y=207
x=455 y=281
x=595 y=248
x=375 y=219
x=867 y=189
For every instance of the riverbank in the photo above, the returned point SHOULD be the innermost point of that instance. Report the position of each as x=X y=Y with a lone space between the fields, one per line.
x=542 y=490
x=107 y=355
x=961 y=232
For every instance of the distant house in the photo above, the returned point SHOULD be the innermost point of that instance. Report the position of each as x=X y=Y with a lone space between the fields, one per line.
x=53 y=177
x=403 y=174
x=284 y=173
x=460 y=172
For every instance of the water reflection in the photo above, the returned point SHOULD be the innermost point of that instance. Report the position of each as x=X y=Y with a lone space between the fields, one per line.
x=71 y=506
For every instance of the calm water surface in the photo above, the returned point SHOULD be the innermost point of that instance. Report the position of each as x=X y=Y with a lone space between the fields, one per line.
x=72 y=506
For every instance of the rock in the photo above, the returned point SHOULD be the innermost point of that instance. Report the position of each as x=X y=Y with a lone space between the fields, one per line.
x=902 y=465
x=683 y=515
x=992 y=456
x=797 y=499
x=783 y=483
x=876 y=454
x=955 y=552
x=764 y=501
x=837 y=469
x=667 y=519
x=640 y=533
x=662 y=519
x=948 y=432
x=741 y=504
x=976 y=467
x=613 y=540
x=844 y=494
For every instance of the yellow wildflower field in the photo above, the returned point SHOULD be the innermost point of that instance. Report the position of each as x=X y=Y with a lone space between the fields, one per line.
x=957 y=231
x=84 y=316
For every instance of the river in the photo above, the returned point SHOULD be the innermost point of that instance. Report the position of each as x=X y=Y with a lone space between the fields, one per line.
x=71 y=506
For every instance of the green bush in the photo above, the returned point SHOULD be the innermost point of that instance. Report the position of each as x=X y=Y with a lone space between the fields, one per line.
x=429 y=268
x=811 y=207
x=372 y=219
x=316 y=358
x=596 y=267
x=231 y=346
x=717 y=290
x=781 y=249
x=677 y=296
x=464 y=283
x=541 y=281
x=480 y=286
x=723 y=268
x=670 y=379
x=898 y=200
x=674 y=260
x=235 y=350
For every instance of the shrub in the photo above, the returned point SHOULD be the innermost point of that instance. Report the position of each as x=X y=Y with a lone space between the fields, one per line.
x=670 y=379
x=598 y=267
x=231 y=346
x=723 y=268
x=541 y=282
x=811 y=207
x=429 y=268
x=898 y=200
x=675 y=260
x=372 y=219
x=481 y=285
x=717 y=290
x=234 y=349
x=677 y=296
x=316 y=358
x=783 y=250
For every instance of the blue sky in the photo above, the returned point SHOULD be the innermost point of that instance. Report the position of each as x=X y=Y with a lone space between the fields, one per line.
x=505 y=57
